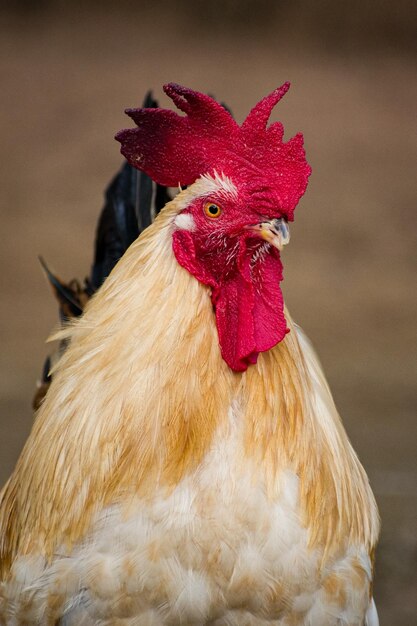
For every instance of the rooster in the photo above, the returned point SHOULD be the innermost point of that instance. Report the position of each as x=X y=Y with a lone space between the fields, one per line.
x=188 y=465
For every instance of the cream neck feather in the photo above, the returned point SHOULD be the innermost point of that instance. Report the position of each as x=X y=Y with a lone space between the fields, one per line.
x=140 y=392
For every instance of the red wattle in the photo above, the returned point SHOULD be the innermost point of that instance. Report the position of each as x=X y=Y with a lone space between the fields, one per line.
x=248 y=302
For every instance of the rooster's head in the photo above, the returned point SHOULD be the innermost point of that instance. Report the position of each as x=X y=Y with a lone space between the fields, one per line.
x=245 y=183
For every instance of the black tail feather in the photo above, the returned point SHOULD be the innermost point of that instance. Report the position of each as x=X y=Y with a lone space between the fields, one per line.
x=67 y=296
x=131 y=202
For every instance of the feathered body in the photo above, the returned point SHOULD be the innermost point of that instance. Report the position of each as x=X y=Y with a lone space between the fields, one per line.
x=173 y=490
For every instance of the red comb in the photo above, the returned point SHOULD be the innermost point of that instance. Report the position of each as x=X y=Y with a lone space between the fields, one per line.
x=174 y=149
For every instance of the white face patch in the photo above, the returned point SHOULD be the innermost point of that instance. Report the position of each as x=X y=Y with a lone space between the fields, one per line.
x=184 y=221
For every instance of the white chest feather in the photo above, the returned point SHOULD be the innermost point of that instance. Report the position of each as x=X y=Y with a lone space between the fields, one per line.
x=216 y=550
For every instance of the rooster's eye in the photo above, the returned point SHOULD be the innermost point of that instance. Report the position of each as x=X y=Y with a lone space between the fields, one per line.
x=212 y=210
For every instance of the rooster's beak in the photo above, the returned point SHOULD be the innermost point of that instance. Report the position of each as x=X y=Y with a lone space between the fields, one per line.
x=276 y=232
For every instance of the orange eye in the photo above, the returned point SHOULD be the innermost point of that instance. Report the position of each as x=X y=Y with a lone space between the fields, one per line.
x=212 y=210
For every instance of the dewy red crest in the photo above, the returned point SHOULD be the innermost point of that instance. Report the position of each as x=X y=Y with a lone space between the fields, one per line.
x=235 y=254
x=175 y=150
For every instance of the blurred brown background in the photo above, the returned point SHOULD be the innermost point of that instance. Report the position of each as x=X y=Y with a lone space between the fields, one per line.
x=68 y=71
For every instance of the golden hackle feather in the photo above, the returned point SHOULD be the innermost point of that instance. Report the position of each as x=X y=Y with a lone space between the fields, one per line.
x=308 y=437
x=135 y=400
x=139 y=394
